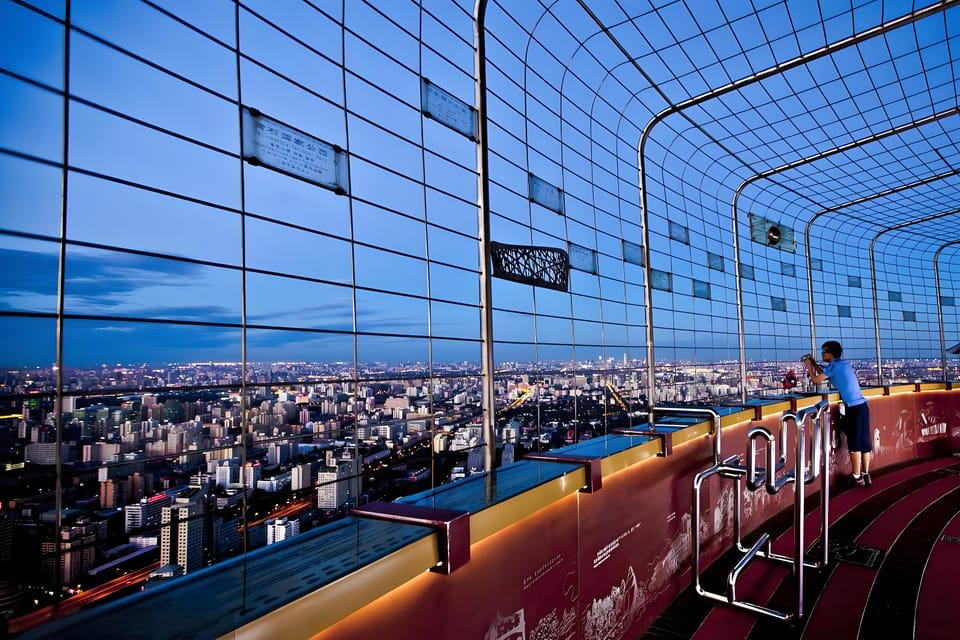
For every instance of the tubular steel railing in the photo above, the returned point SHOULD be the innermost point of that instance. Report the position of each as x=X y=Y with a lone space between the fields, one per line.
x=773 y=479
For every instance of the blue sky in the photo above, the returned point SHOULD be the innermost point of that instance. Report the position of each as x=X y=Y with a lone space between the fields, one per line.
x=163 y=215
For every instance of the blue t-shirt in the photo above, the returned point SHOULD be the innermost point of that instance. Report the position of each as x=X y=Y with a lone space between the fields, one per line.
x=844 y=380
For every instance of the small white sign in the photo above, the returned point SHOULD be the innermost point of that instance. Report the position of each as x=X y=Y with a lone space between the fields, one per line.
x=633 y=253
x=582 y=259
x=544 y=193
x=661 y=280
x=447 y=109
x=282 y=148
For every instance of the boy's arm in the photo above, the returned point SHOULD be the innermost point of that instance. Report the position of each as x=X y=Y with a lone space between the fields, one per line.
x=814 y=370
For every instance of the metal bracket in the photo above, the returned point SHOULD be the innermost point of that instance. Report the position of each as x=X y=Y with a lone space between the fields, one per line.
x=665 y=437
x=453 y=528
x=590 y=463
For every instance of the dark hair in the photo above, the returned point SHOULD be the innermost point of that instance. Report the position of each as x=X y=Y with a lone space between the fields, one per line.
x=833 y=348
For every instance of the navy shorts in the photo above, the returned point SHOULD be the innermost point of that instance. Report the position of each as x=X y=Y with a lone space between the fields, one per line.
x=856 y=427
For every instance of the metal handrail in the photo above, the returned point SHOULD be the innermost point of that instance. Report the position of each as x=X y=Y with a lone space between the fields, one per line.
x=729 y=468
x=714 y=415
x=757 y=477
x=773 y=480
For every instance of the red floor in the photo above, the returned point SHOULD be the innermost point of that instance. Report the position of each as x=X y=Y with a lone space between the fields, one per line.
x=894 y=569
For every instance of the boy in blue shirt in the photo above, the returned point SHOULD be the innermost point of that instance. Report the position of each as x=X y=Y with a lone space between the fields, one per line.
x=856 y=426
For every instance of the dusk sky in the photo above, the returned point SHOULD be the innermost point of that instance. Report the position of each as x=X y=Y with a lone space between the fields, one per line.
x=163 y=215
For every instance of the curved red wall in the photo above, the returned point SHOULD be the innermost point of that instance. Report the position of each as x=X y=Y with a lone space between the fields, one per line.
x=605 y=564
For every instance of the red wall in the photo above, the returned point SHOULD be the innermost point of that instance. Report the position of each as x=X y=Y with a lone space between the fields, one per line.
x=605 y=564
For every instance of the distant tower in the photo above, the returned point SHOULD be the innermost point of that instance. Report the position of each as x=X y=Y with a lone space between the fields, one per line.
x=77 y=553
x=281 y=528
x=181 y=535
x=251 y=474
x=333 y=485
x=475 y=459
x=146 y=513
x=301 y=476
x=228 y=472
x=109 y=494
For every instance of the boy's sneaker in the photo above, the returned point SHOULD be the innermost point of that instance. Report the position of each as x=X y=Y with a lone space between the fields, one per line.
x=857 y=481
x=867 y=480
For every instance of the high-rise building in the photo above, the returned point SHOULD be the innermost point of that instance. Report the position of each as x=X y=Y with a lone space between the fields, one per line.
x=226 y=537
x=176 y=440
x=334 y=486
x=109 y=494
x=301 y=476
x=45 y=453
x=251 y=474
x=280 y=453
x=8 y=524
x=181 y=533
x=228 y=472
x=146 y=513
x=281 y=528
x=77 y=554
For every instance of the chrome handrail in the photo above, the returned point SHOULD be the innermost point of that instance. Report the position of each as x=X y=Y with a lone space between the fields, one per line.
x=773 y=479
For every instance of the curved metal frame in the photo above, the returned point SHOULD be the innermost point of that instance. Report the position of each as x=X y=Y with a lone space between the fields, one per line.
x=797 y=163
x=678 y=108
x=873 y=278
x=936 y=277
x=487 y=364
x=800 y=162
x=844 y=205
x=483 y=211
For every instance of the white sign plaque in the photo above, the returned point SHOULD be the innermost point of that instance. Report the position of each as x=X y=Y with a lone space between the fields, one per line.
x=544 y=193
x=285 y=149
x=661 y=280
x=582 y=259
x=447 y=109
x=633 y=253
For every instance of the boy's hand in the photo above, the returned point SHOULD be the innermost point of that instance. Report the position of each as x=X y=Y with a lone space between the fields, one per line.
x=812 y=364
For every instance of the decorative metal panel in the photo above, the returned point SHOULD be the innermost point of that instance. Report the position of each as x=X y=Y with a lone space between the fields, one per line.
x=537 y=266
